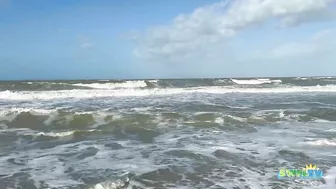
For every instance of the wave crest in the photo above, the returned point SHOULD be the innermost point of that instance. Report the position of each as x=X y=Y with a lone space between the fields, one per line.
x=126 y=84
x=99 y=93
x=255 y=81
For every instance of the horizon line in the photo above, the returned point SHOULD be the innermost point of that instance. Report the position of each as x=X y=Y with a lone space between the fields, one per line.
x=172 y=78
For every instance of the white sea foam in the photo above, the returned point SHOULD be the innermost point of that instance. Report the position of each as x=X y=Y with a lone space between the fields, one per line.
x=255 y=81
x=323 y=142
x=110 y=184
x=60 y=134
x=321 y=121
x=219 y=120
x=8 y=111
x=9 y=114
x=236 y=118
x=52 y=172
x=324 y=77
x=239 y=107
x=44 y=165
x=97 y=93
x=331 y=130
x=126 y=84
x=30 y=132
x=301 y=78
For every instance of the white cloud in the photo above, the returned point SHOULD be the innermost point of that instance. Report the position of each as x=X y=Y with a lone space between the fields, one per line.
x=292 y=49
x=309 y=55
x=204 y=33
x=314 y=16
x=247 y=13
x=321 y=43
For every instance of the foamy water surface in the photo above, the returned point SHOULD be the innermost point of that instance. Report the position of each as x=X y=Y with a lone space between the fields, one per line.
x=185 y=134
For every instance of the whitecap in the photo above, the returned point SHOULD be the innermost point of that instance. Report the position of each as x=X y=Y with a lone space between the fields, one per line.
x=97 y=93
x=255 y=81
x=126 y=84
x=323 y=142
x=60 y=134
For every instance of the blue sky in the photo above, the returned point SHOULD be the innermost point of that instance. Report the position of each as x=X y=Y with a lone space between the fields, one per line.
x=162 y=39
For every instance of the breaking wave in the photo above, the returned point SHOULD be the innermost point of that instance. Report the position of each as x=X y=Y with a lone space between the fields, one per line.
x=126 y=84
x=323 y=142
x=67 y=123
x=62 y=134
x=82 y=94
x=68 y=85
x=255 y=81
x=163 y=84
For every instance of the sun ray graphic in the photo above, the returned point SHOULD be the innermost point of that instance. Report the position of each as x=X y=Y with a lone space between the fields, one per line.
x=310 y=167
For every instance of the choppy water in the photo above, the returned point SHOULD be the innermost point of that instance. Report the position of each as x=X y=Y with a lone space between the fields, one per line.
x=196 y=133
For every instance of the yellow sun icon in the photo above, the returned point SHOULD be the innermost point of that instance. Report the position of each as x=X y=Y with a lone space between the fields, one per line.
x=311 y=167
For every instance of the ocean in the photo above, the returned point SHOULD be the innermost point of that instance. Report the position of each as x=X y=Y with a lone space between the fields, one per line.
x=165 y=134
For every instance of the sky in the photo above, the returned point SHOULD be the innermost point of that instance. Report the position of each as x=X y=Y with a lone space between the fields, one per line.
x=120 y=39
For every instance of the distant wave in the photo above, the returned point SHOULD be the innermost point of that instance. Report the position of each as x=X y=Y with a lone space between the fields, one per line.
x=300 y=78
x=126 y=84
x=97 y=93
x=255 y=81
x=324 y=77
x=68 y=85
x=163 y=84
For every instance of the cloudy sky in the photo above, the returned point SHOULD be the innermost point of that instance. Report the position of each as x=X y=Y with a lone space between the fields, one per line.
x=166 y=39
